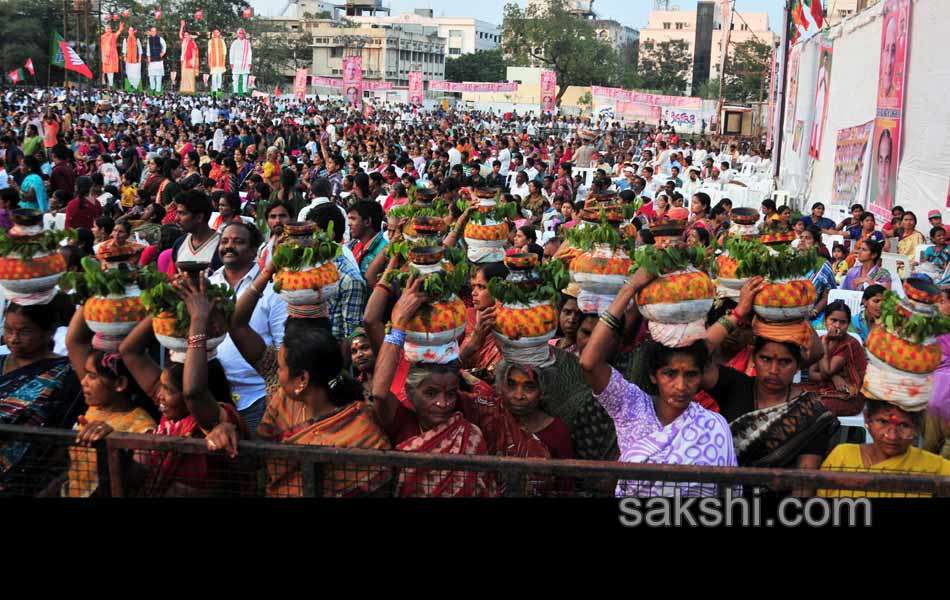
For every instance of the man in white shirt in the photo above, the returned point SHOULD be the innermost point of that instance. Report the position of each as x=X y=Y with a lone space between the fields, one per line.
x=238 y=249
x=699 y=155
x=455 y=157
x=197 y=117
x=692 y=183
x=504 y=156
x=321 y=189
x=4 y=178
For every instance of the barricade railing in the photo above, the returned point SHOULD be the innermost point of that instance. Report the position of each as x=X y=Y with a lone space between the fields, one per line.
x=125 y=465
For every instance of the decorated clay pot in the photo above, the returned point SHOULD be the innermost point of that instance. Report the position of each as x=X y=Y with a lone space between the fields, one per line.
x=726 y=267
x=27 y=217
x=669 y=232
x=525 y=325
x=426 y=255
x=744 y=216
x=785 y=300
x=175 y=338
x=310 y=286
x=425 y=196
x=39 y=273
x=438 y=324
x=676 y=298
x=486 y=193
x=300 y=233
x=601 y=270
x=424 y=227
x=786 y=237
x=901 y=354
x=114 y=315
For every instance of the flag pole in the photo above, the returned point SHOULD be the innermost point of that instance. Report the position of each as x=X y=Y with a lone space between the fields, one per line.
x=783 y=94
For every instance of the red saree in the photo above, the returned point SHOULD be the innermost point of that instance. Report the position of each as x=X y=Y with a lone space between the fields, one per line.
x=455 y=436
x=844 y=402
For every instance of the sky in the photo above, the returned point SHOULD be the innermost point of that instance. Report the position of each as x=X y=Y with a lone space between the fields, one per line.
x=628 y=12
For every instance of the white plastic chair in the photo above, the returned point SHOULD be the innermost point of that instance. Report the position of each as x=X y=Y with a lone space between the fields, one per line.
x=831 y=240
x=780 y=197
x=858 y=422
x=849 y=297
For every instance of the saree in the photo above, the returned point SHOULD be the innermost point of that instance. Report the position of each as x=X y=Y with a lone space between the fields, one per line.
x=45 y=393
x=203 y=473
x=83 y=476
x=566 y=395
x=696 y=437
x=350 y=426
x=908 y=244
x=843 y=403
x=777 y=435
x=847 y=457
x=455 y=436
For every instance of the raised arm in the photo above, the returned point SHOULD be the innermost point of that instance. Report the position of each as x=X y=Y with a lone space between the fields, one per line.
x=604 y=338
x=133 y=350
x=717 y=333
x=374 y=317
x=391 y=352
x=248 y=342
x=451 y=240
x=200 y=402
x=78 y=340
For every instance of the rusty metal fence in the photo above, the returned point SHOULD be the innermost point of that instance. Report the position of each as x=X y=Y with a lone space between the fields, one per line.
x=39 y=462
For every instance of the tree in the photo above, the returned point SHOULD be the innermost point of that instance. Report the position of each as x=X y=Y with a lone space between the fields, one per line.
x=25 y=33
x=480 y=66
x=708 y=90
x=546 y=34
x=747 y=72
x=665 y=66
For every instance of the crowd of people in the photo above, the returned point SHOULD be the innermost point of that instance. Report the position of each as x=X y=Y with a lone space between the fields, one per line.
x=192 y=180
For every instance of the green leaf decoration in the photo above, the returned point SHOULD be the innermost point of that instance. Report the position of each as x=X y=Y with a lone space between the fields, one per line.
x=158 y=296
x=48 y=241
x=659 y=262
x=914 y=328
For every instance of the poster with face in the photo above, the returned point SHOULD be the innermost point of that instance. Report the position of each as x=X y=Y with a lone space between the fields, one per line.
x=850 y=165
x=353 y=80
x=548 y=91
x=821 y=98
x=792 y=88
x=885 y=149
x=415 y=88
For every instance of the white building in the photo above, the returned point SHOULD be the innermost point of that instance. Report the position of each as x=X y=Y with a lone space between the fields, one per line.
x=293 y=9
x=464 y=35
x=619 y=36
x=389 y=52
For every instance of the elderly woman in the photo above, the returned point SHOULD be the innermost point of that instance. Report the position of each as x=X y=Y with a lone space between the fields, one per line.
x=669 y=428
x=893 y=430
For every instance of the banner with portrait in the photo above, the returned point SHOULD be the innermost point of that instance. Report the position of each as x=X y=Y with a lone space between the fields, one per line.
x=821 y=98
x=415 y=88
x=791 y=88
x=473 y=86
x=886 y=141
x=300 y=84
x=548 y=91
x=353 y=80
x=851 y=165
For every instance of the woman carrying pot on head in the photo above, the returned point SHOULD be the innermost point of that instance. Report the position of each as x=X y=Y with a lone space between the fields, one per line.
x=774 y=422
x=194 y=398
x=669 y=428
x=311 y=400
x=112 y=404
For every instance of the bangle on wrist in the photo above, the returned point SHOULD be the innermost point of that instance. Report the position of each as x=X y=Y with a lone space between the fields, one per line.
x=396 y=337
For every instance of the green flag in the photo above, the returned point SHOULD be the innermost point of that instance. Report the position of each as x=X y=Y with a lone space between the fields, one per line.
x=55 y=52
